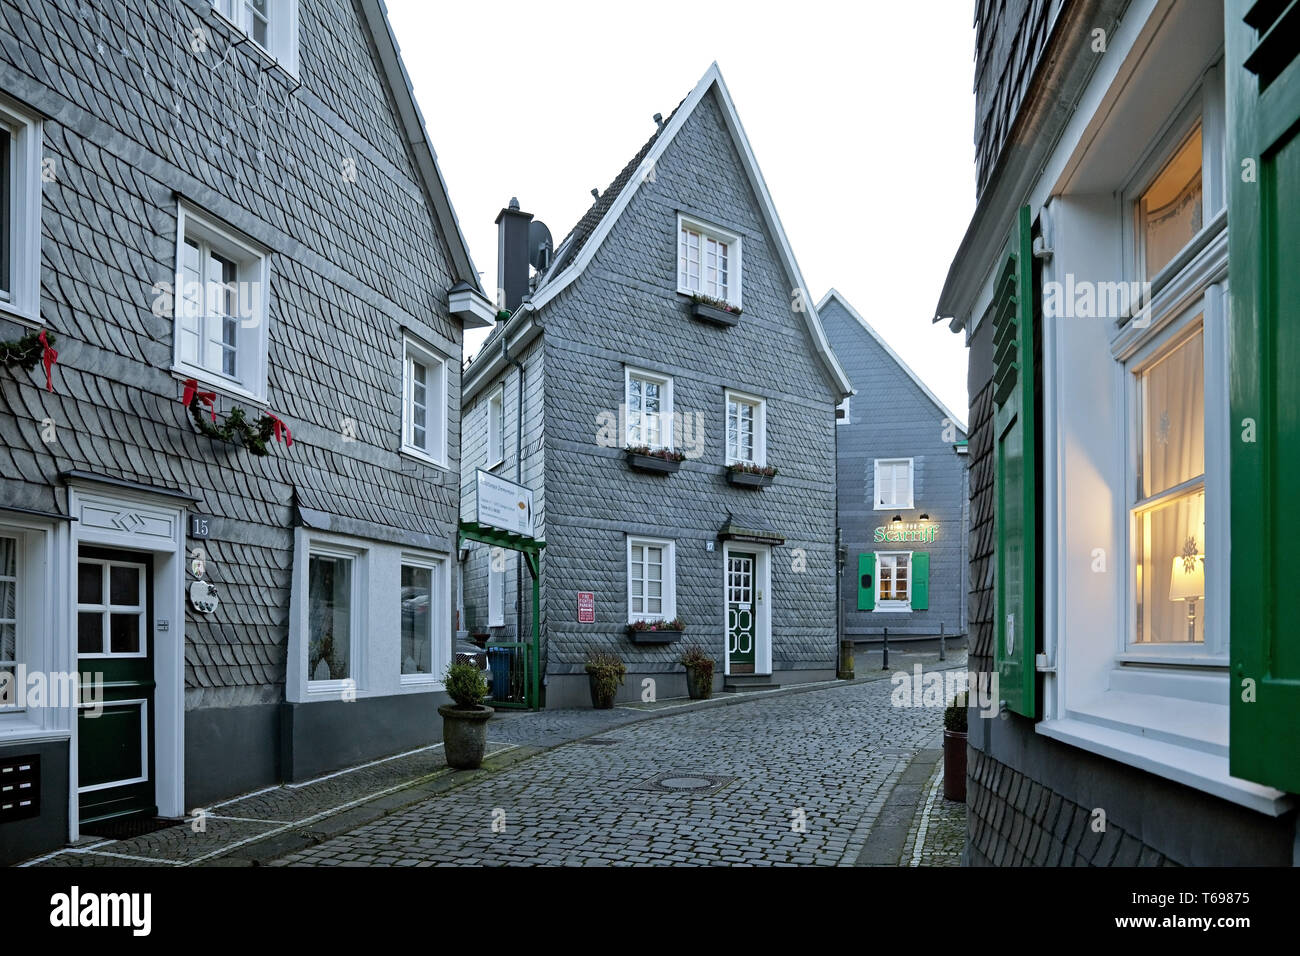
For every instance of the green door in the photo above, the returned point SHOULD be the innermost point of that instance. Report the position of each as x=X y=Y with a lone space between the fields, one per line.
x=1263 y=104
x=741 y=612
x=115 y=746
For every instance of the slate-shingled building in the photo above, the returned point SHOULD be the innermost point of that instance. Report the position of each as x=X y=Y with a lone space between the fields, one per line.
x=613 y=354
x=241 y=195
x=1127 y=290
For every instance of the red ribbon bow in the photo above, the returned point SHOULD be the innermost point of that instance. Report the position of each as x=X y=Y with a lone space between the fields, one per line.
x=208 y=398
x=48 y=357
x=280 y=430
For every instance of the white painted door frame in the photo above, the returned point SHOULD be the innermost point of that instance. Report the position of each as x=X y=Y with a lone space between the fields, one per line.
x=762 y=605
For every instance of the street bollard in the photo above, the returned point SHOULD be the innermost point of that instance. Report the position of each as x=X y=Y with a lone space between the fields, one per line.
x=884 y=665
x=846 y=661
x=943 y=656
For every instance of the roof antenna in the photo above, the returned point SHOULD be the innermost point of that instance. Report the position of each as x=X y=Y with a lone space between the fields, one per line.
x=595 y=194
x=659 y=120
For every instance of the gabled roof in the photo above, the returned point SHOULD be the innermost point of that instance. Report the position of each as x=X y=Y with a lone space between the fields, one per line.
x=839 y=297
x=584 y=240
x=375 y=17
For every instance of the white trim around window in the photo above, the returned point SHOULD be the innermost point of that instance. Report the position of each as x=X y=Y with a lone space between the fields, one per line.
x=433 y=627
x=20 y=213
x=36 y=607
x=647 y=408
x=220 y=303
x=496 y=430
x=745 y=430
x=424 y=403
x=272 y=25
x=897 y=581
x=354 y=588
x=893 y=483
x=708 y=260
x=651 y=579
x=496 y=586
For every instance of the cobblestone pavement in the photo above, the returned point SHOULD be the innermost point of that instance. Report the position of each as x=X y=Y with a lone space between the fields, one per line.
x=937 y=835
x=791 y=779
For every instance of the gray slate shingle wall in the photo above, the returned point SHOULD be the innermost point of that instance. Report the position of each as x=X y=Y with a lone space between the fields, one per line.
x=351 y=263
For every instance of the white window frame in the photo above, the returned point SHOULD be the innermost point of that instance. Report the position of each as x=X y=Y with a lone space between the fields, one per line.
x=253 y=263
x=357 y=638
x=843 y=419
x=707 y=230
x=759 y=405
x=896 y=504
x=496 y=430
x=893 y=605
x=665 y=384
x=105 y=608
x=281 y=33
x=44 y=612
x=412 y=352
x=496 y=590
x=669 y=547
x=440 y=636
x=22 y=302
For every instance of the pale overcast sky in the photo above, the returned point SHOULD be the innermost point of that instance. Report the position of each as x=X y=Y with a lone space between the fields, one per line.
x=861 y=124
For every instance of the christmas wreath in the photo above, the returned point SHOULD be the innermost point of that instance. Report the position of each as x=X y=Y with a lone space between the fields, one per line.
x=28 y=351
x=236 y=429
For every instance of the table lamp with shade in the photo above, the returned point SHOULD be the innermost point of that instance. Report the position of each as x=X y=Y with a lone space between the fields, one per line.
x=1188 y=585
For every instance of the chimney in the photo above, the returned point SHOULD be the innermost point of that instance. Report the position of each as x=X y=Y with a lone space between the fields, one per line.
x=512 y=256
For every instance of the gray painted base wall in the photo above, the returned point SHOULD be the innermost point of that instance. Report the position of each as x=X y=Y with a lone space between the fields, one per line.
x=49 y=831
x=230 y=750
x=322 y=737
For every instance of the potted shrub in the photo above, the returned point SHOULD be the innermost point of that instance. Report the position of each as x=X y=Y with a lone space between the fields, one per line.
x=749 y=475
x=655 y=461
x=657 y=631
x=464 y=721
x=605 y=671
x=708 y=309
x=699 y=673
x=954 y=750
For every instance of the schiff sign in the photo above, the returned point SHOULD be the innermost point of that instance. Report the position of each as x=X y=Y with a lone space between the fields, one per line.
x=926 y=534
x=504 y=505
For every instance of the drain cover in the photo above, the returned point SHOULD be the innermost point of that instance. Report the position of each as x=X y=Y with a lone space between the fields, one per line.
x=686 y=783
x=677 y=781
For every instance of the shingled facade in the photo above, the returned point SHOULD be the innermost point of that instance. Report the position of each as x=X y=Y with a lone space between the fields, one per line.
x=614 y=352
x=243 y=210
x=1129 y=414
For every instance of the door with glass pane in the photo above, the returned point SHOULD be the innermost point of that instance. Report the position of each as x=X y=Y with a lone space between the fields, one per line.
x=740 y=612
x=115 y=739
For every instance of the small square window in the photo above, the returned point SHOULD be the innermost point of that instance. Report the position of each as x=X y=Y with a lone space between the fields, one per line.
x=424 y=406
x=708 y=261
x=893 y=483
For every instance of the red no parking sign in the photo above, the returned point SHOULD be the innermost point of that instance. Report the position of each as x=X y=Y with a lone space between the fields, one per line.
x=586 y=607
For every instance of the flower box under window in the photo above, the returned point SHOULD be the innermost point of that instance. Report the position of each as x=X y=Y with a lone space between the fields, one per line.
x=714 y=311
x=656 y=632
x=655 y=462
x=750 y=476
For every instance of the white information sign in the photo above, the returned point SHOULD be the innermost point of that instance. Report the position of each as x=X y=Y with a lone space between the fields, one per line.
x=504 y=505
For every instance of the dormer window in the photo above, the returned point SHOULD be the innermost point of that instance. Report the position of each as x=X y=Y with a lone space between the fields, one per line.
x=708 y=261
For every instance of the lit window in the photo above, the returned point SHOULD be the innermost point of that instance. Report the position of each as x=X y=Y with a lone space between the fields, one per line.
x=651 y=591
x=708 y=262
x=1170 y=209
x=746 y=423
x=424 y=425
x=331 y=617
x=649 y=410
x=893 y=483
x=893 y=580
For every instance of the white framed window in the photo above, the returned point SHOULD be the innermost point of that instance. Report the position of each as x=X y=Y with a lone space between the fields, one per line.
x=221 y=306
x=649 y=409
x=496 y=587
x=10 y=652
x=424 y=618
x=651 y=579
x=708 y=261
x=20 y=212
x=893 y=483
x=424 y=404
x=111 y=608
x=497 y=427
x=746 y=429
x=271 y=24
x=893 y=580
x=842 y=412
x=334 y=617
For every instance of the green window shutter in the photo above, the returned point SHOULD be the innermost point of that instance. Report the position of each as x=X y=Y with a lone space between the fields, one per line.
x=1015 y=452
x=1263 y=97
x=920 y=580
x=866 y=582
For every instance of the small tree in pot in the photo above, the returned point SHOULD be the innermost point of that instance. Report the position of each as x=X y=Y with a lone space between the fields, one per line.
x=464 y=721
x=605 y=671
x=699 y=673
x=954 y=750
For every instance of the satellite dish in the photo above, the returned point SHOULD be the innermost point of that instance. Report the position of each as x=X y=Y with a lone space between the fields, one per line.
x=539 y=245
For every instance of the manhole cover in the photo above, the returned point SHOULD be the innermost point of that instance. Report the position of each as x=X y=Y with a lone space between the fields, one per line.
x=677 y=781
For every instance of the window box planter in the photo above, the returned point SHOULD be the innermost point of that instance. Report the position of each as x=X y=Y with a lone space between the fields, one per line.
x=750 y=476
x=654 y=462
x=656 y=632
x=714 y=314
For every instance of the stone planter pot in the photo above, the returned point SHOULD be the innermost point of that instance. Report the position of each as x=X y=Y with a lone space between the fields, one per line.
x=954 y=766
x=464 y=735
x=660 y=636
x=699 y=683
x=744 y=479
x=652 y=464
x=713 y=315
x=602 y=698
